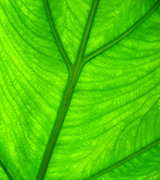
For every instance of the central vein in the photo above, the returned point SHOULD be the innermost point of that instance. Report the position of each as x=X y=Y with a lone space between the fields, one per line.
x=74 y=73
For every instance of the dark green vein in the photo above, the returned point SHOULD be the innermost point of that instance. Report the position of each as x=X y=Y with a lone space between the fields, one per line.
x=125 y=160
x=74 y=74
x=87 y=31
x=56 y=36
x=122 y=36
x=5 y=170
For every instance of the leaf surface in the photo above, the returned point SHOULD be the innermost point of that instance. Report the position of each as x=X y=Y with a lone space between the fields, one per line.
x=86 y=76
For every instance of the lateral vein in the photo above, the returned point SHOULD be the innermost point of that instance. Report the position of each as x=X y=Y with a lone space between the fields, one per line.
x=87 y=31
x=56 y=36
x=5 y=170
x=122 y=36
x=123 y=161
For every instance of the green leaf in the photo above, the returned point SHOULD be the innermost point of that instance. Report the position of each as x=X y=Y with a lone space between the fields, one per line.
x=80 y=90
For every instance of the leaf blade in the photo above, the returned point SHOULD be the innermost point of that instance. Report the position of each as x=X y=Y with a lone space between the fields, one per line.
x=116 y=96
x=122 y=36
x=132 y=156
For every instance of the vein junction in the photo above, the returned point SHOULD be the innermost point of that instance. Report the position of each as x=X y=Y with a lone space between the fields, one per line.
x=74 y=73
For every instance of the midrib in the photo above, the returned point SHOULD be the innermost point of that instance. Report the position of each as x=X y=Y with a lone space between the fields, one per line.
x=68 y=93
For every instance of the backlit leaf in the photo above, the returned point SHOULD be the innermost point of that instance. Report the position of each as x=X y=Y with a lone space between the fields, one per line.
x=86 y=75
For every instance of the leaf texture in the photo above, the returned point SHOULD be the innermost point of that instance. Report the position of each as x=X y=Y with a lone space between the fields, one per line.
x=84 y=74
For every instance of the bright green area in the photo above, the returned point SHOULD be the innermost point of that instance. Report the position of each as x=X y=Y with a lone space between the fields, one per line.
x=85 y=76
